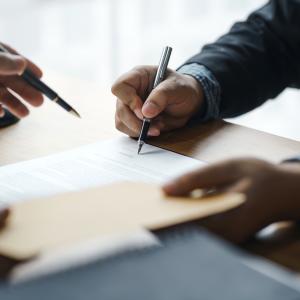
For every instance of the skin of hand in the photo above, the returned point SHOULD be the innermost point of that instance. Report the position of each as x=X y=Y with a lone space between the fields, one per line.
x=272 y=194
x=171 y=104
x=3 y=217
x=14 y=91
x=6 y=264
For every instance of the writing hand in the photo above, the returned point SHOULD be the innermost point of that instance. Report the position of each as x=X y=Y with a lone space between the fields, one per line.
x=171 y=104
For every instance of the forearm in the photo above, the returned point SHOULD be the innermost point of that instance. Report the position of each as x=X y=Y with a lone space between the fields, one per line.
x=257 y=59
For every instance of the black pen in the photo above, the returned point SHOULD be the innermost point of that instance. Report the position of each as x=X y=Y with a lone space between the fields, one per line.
x=159 y=77
x=36 y=83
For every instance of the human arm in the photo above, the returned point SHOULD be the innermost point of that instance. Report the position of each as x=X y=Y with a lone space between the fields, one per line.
x=272 y=194
x=257 y=59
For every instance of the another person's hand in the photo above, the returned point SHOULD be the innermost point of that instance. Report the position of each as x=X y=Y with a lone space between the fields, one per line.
x=272 y=194
x=11 y=65
x=6 y=264
x=3 y=217
x=171 y=104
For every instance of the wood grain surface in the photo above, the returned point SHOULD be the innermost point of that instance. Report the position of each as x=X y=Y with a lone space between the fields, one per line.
x=49 y=129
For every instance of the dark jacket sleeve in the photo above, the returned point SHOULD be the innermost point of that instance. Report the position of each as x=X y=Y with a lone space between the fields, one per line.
x=257 y=59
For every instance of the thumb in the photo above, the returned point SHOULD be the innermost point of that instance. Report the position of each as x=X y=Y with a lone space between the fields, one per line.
x=11 y=64
x=158 y=100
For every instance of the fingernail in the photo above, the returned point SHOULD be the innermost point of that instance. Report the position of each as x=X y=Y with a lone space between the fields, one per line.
x=19 y=63
x=138 y=113
x=154 y=132
x=169 y=188
x=150 y=109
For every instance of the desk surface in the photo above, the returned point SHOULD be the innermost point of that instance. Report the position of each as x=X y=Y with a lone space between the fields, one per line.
x=49 y=129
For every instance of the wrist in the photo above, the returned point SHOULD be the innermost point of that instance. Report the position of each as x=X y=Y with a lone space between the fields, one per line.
x=210 y=88
x=196 y=93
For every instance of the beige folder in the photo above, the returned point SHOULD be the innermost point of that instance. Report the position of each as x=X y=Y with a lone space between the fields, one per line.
x=41 y=225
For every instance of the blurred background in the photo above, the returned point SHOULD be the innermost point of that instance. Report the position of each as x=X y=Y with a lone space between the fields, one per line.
x=97 y=40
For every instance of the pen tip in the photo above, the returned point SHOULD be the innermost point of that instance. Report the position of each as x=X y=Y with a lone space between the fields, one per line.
x=75 y=113
x=140 y=148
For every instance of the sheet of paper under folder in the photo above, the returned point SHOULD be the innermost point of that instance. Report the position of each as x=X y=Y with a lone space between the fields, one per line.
x=89 y=166
x=77 y=196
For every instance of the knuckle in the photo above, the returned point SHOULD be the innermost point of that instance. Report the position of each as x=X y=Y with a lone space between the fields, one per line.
x=120 y=110
x=7 y=62
x=115 y=88
x=132 y=105
x=180 y=81
x=143 y=71
x=138 y=69
x=133 y=134
x=118 y=123
x=163 y=91
x=123 y=109
x=135 y=130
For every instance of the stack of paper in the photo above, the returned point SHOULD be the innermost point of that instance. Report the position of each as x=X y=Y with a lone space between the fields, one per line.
x=67 y=210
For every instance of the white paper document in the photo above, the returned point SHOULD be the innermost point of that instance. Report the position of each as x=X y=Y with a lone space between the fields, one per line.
x=89 y=166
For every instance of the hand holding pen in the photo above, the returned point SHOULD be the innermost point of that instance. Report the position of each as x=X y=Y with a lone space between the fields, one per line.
x=169 y=106
x=11 y=66
x=23 y=77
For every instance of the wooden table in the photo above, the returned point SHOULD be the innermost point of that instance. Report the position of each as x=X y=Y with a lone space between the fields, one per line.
x=49 y=129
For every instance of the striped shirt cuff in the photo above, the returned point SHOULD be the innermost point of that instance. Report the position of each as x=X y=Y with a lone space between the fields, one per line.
x=211 y=89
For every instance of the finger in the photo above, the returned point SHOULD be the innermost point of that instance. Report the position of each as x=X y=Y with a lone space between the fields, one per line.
x=11 y=64
x=165 y=123
x=130 y=120
x=123 y=128
x=239 y=186
x=34 y=68
x=205 y=178
x=23 y=89
x=128 y=117
x=14 y=105
x=2 y=112
x=30 y=65
x=126 y=87
x=158 y=99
